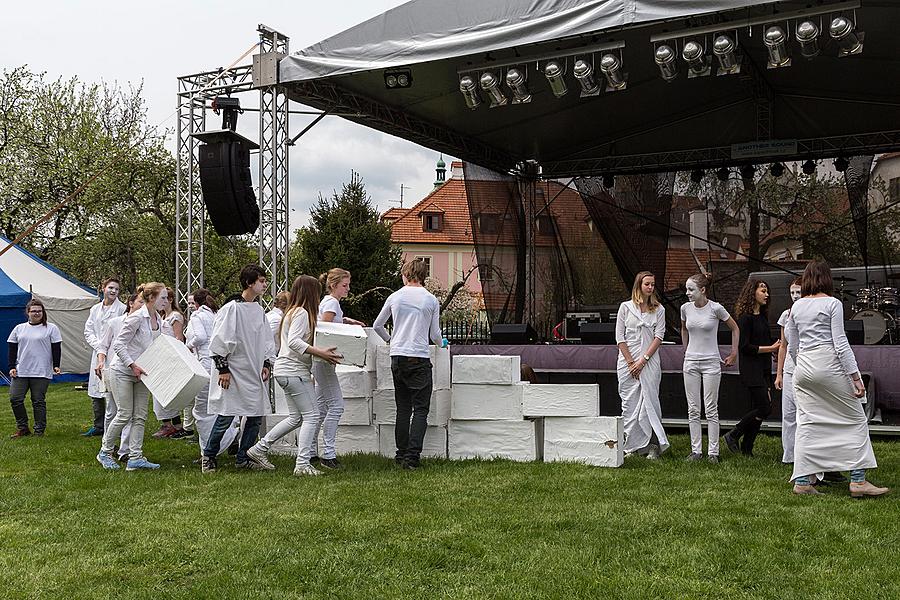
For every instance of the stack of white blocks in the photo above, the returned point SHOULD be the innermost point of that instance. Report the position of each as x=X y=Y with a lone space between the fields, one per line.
x=384 y=407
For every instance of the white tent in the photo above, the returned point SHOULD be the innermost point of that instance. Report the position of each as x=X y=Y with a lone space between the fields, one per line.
x=23 y=275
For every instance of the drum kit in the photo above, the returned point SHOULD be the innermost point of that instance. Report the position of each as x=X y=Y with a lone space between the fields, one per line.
x=877 y=308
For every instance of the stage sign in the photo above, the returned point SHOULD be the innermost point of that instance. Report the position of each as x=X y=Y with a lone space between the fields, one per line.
x=761 y=148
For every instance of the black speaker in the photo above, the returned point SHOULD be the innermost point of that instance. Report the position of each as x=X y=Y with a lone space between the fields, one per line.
x=513 y=333
x=598 y=334
x=227 y=187
x=856 y=334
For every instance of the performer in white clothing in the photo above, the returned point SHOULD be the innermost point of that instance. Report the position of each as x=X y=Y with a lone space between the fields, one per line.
x=336 y=283
x=832 y=430
x=700 y=318
x=273 y=317
x=94 y=328
x=170 y=422
x=640 y=327
x=784 y=381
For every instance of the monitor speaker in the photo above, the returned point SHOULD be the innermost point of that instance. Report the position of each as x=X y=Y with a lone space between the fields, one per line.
x=598 y=334
x=513 y=333
x=228 y=188
x=856 y=334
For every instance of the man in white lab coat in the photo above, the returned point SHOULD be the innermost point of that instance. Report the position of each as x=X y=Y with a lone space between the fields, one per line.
x=242 y=347
x=94 y=329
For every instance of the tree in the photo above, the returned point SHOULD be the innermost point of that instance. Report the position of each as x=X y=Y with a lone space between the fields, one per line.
x=345 y=232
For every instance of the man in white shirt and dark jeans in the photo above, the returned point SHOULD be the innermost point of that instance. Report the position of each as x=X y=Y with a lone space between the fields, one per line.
x=415 y=313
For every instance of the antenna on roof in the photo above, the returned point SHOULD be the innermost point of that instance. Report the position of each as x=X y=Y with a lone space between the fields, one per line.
x=402 y=187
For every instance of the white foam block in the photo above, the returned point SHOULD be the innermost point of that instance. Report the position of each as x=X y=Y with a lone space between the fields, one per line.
x=440 y=368
x=439 y=412
x=357 y=411
x=384 y=379
x=477 y=402
x=515 y=440
x=355 y=381
x=173 y=375
x=592 y=440
x=355 y=439
x=435 y=445
x=350 y=341
x=384 y=408
x=568 y=400
x=373 y=341
x=286 y=446
x=496 y=370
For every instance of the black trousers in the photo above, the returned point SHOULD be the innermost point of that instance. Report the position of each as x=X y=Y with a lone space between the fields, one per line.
x=748 y=427
x=412 y=393
x=98 y=405
x=18 y=387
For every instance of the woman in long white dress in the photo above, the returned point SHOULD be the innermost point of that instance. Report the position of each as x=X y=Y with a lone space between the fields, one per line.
x=832 y=429
x=640 y=327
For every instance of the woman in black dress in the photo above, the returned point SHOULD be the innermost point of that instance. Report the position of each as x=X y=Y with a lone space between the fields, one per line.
x=755 y=363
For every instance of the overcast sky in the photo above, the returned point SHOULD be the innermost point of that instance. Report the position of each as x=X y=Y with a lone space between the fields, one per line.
x=157 y=41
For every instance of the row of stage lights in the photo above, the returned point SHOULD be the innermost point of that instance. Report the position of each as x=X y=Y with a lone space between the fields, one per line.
x=699 y=63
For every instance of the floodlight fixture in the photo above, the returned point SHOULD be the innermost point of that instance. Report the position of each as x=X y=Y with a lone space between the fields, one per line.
x=554 y=72
x=698 y=63
x=397 y=79
x=584 y=73
x=841 y=164
x=809 y=167
x=776 y=44
x=611 y=67
x=469 y=89
x=748 y=171
x=609 y=181
x=665 y=60
x=515 y=80
x=491 y=84
x=723 y=173
x=697 y=175
x=807 y=35
x=726 y=52
x=776 y=169
x=842 y=30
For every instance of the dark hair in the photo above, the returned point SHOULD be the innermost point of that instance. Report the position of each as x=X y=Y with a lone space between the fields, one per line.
x=747 y=299
x=203 y=297
x=702 y=281
x=130 y=302
x=36 y=302
x=796 y=281
x=527 y=374
x=816 y=279
x=250 y=274
x=109 y=280
x=305 y=294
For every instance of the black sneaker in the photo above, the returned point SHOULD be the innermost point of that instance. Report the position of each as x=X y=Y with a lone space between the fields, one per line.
x=208 y=464
x=181 y=434
x=398 y=460
x=330 y=463
x=731 y=442
x=408 y=465
x=713 y=459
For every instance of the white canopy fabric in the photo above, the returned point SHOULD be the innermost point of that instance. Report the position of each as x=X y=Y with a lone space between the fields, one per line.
x=428 y=30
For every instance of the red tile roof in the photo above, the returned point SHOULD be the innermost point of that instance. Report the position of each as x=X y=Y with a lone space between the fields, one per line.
x=680 y=264
x=450 y=199
x=394 y=213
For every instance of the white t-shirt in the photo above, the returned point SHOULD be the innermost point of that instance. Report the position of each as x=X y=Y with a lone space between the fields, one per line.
x=331 y=304
x=293 y=360
x=35 y=358
x=702 y=325
x=416 y=315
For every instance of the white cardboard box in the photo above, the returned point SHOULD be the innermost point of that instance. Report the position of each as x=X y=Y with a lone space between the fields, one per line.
x=373 y=341
x=435 y=445
x=357 y=411
x=384 y=408
x=567 y=400
x=592 y=440
x=440 y=368
x=350 y=341
x=477 y=402
x=355 y=439
x=496 y=370
x=439 y=413
x=173 y=375
x=514 y=440
x=355 y=382
x=384 y=379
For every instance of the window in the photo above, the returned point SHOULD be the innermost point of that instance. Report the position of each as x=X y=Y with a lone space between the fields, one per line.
x=488 y=223
x=432 y=222
x=486 y=270
x=545 y=225
x=427 y=261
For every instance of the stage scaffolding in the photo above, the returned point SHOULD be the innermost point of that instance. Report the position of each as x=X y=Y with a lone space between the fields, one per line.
x=194 y=93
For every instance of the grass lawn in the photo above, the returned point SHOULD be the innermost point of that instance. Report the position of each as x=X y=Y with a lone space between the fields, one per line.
x=69 y=529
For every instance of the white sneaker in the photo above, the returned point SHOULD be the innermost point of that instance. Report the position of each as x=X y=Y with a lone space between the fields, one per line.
x=259 y=456
x=306 y=470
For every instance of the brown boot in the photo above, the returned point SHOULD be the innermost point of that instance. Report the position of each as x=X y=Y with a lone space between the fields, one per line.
x=860 y=490
x=20 y=433
x=806 y=489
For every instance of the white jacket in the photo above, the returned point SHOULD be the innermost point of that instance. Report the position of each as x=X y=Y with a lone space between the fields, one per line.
x=135 y=337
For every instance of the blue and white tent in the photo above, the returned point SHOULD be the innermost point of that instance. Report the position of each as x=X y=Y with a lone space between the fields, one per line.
x=68 y=302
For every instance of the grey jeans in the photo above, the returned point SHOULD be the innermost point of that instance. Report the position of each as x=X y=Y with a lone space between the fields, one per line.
x=18 y=387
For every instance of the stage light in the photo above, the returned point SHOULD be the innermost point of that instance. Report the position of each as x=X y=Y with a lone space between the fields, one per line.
x=776 y=169
x=748 y=171
x=491 y=85
x=842 y=30
x=698 y=65
x=515 y=79
x=469 y=90
x=776 y=44
x=665 y=60
x=584 y=73
x=808 y=38
x=554 y=74
x=609 y=181
x=723 y=173
x=397 y=79
x=611 y=67
x=809 y=167
x=724 y=49
x=841 y=164
x=697 y=175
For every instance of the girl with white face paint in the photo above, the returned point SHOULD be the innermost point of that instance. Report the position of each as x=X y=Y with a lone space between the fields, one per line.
x=700 y=320
x=784 y=381
x=94 y=328
x=640 y=327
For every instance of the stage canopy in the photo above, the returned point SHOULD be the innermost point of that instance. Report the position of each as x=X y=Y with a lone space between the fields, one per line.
x=835 y=103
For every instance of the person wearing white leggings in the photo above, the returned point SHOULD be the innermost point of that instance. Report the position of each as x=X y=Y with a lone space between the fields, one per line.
x=336 y=283
x=700 y=318
x=784 y=381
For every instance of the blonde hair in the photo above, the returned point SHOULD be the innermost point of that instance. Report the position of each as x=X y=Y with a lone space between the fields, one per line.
x=281 y=300
x=415 y=270
x=332 y=278
x=638 y=298
x=151 y=290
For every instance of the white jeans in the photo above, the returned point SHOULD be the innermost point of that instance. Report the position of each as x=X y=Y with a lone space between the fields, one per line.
x=707 y=371
x=132 y=398
x=788 y=417
x=111 y=409
x=303 y=413
x=331 y=405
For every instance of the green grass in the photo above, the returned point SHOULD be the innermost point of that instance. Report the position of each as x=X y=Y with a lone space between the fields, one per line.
x=69 y=529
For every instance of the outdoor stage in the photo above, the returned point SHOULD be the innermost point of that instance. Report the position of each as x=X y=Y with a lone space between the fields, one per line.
x=582 y=364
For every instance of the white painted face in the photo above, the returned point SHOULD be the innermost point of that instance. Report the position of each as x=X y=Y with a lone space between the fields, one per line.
x=161 y=301
x=692 y=290
x=192 y=304
x=795 y=293
x=111 y=291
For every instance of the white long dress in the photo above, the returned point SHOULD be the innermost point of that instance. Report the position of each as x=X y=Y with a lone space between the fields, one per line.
x=832 y=430
x=94 y=328
x=242 y=334
x=641 y=414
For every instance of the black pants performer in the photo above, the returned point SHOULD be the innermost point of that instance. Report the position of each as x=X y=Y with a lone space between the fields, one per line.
x=18 y=387
x=749 y=425
x=412 y=393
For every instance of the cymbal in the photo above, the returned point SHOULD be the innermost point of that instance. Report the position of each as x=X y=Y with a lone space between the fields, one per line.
x=843 y=278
